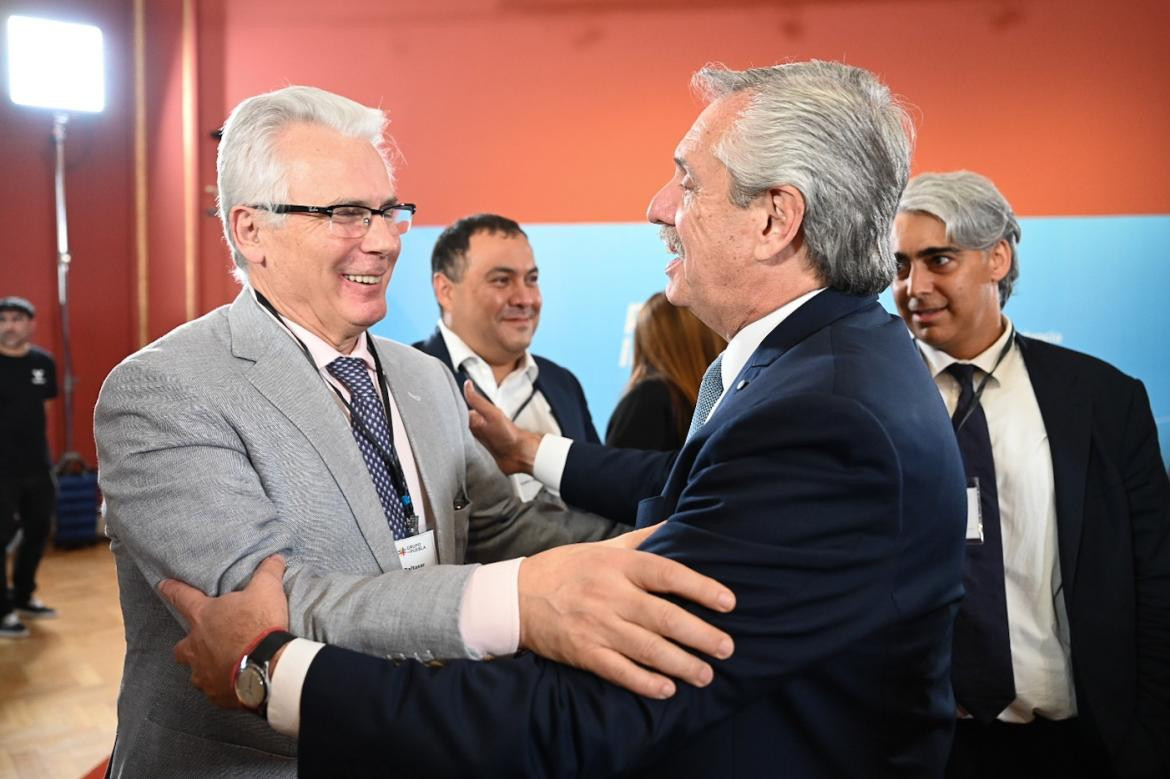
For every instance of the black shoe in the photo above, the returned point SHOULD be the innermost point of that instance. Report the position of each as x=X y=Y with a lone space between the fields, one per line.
x=34 y=609
x=11 y=627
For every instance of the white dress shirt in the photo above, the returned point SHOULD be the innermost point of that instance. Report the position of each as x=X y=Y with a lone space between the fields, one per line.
x=489 y=614
x=516 y=393
x=549 y=464
x=1037 y=620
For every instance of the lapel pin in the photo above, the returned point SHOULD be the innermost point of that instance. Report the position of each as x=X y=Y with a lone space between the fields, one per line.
x=742 y=383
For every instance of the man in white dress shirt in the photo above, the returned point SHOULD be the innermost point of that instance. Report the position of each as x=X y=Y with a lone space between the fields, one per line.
x=1081 y=498
x=488 y=288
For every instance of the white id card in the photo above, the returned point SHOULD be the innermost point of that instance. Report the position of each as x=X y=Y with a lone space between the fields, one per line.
x=974 y=514
x=417 y=551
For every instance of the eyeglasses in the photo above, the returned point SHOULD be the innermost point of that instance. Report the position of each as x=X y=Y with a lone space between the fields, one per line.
x=352 y=221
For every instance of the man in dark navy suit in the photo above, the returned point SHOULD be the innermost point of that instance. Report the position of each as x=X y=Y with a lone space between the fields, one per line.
x=821 y=482
x=488 y=289
x=1081 y=508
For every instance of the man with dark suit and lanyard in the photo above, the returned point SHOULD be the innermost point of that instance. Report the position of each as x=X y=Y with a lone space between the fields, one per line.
x=835 y=516
x=488 y=289
x=1062 y=646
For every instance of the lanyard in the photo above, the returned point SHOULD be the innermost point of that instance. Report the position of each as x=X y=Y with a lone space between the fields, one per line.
x=1007 y=347
x=479 y=389
x=389 y=456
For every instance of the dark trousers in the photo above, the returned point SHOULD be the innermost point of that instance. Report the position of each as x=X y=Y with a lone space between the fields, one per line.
x=34 y=497
x=1038 y=750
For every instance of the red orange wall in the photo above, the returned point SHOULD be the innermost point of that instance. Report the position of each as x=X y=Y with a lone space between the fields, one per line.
x=554 y=111
x=566 y=110
x=99 y=189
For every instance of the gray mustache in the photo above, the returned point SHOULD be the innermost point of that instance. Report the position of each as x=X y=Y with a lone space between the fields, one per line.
x=670 y=237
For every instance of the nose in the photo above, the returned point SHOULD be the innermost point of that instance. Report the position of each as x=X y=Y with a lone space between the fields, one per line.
x=382 y=238
x=919 y=280
x=662 y=205
x=525 y=294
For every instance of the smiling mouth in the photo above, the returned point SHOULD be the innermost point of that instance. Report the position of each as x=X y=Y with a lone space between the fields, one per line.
x=927 y=314
x=356 y=279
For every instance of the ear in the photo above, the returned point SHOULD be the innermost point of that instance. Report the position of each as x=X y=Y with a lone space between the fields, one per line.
x=444 y=288
x=999 y=260
x=246 y=229
x=784 y=213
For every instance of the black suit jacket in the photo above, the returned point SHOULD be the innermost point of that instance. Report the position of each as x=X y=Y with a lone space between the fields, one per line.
x=558 y=385
x=827 y=492
x=1113 y=531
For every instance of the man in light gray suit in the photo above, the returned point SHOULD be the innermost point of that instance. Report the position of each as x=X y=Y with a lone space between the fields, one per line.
x=276 y=424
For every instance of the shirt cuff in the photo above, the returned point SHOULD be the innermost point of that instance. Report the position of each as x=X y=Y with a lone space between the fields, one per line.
x=549 y=464
x=284 y=701
x=489 y=616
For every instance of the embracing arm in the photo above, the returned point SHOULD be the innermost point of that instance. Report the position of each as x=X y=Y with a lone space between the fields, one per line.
x=804 y=527
x=612 y=481
x=597 y=478
x=188 y=500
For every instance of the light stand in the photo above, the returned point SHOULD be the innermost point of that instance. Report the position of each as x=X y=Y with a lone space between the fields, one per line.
x=60 y=119
x=58 y=65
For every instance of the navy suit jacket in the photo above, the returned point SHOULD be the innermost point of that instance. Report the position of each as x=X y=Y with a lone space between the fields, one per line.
x=558 y=385
x=1113 y=533
x=827 y=492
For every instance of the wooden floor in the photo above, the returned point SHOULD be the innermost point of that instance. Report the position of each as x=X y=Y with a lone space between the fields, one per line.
x=58 y=686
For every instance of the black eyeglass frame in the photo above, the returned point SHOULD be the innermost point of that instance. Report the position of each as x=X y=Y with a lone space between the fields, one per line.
x=388 y=211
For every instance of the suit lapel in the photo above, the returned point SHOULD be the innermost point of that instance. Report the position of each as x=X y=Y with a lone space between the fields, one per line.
x=429 y=458
x=437 y=347
x=551 y=390
x=283 y=375
x=1067 y=415
x=816 y=314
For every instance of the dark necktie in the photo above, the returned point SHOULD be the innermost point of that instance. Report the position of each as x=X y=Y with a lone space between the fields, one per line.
x=981 y=663
x=709 y=391
x=368 y=421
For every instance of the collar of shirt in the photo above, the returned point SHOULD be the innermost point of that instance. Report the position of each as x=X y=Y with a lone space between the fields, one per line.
x=746 y=341
x=477 y=368
x=323 y=352
x=938 y=361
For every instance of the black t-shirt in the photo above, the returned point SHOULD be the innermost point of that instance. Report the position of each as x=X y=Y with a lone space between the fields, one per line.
x=25 y=384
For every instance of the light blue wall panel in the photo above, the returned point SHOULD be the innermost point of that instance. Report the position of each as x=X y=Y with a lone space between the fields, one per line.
x=1098 y=285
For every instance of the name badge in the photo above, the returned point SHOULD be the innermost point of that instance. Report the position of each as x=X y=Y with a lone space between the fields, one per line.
x=974 y=514
x=417 y=551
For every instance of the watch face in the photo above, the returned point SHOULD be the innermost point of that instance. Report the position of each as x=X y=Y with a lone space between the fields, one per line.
x=251 y=688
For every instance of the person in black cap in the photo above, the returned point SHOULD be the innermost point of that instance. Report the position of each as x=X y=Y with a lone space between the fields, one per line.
x=28 y=378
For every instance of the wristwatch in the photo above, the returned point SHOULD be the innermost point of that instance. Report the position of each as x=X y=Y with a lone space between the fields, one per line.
x=252 y=684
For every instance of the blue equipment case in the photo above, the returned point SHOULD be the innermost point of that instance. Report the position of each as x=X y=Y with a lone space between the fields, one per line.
x=77 y=510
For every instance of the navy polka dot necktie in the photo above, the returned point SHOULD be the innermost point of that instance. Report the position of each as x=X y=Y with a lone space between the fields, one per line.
x=709 y=391
x=368 y=421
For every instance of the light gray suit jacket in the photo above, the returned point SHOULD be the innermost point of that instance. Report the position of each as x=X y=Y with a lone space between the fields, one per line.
x=218 y=445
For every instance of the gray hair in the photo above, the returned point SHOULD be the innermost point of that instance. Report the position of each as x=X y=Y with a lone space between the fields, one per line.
x=248 y=168
x=975 y=214
x=838 y=135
